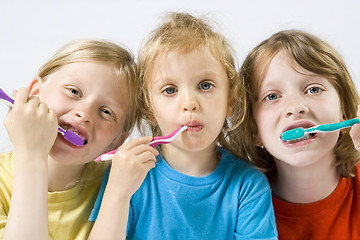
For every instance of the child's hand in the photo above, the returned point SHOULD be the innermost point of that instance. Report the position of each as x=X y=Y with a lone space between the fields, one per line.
x=130 y=165
x=31 y=125
x=355 y=132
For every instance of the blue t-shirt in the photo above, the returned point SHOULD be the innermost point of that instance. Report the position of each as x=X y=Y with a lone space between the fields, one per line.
x=233 y=202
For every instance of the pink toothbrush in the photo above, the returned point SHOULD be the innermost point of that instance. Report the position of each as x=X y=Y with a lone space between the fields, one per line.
x=67 y=134
x=156 y=141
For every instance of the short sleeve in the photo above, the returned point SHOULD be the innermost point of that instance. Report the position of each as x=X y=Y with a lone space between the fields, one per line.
x=97 y=204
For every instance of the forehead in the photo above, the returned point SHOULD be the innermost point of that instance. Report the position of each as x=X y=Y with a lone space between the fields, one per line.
x=199 y=61
x=91 y=75
x=284 y=69
x=276 y=66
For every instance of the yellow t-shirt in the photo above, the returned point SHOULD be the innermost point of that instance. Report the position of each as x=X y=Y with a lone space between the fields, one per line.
x=68 y=210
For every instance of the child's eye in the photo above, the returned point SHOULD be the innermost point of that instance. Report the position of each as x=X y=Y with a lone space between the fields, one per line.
x=169 y=90
x=74 y=91
x=206 y=85
x=313 y=90
x=107 y=113
x=271 y=97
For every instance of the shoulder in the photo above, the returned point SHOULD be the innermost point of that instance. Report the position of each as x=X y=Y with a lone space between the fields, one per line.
x=247 y=176
x=94 y=170
x=239 y=166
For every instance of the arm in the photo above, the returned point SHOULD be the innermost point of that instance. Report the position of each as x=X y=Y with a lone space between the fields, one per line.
x=32 y=128
x=355 y=132
x=130 y=166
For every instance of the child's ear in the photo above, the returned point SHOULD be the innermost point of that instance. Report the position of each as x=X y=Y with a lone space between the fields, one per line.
x=34 y=87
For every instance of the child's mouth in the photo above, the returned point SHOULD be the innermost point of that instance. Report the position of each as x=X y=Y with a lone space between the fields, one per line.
x=76 y=131
x=305 y=137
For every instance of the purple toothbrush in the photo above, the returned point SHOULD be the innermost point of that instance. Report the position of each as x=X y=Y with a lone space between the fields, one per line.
x=156 y=141
x=67 y=134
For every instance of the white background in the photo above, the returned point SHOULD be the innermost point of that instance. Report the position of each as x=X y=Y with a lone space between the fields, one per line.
x=30 y=31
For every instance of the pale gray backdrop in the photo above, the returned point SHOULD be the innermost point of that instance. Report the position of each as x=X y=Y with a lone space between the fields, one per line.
x=32 y=30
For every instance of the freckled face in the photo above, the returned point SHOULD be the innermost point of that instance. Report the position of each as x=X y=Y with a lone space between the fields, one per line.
x=290 y=98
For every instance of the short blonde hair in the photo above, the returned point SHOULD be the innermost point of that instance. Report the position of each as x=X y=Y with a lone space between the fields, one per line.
x=184 y=33
x=316 y=56
x=103 y=51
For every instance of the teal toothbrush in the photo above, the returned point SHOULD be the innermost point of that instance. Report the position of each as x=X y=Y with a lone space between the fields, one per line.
x=299 y=133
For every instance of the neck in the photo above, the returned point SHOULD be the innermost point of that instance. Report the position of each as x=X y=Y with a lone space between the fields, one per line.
x=305 y=184
x=192 y=163
x=62 y=176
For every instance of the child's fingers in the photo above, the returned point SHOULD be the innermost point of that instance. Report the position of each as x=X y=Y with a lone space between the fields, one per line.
x=21 y=96
x=145 y=148
x=30 y=124
x=14 y=92
x=34 y=101
x=52 y=115
x=355 y=135
x=355 y=132
x=138 y=146
x=147 y=156
x=44 y=109
x=149 y=165
x=140 y=153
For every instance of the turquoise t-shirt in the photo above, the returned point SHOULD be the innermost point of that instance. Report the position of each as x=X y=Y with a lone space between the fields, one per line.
x=233 y=202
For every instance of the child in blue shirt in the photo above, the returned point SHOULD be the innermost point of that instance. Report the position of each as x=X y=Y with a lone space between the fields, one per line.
x=196 y=187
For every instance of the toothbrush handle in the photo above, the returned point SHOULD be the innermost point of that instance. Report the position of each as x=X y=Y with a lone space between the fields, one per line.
x=109 y=155
x=336 y=126
x=156 y=141
x=6 y=98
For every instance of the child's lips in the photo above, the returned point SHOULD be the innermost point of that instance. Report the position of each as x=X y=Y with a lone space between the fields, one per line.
x=194 y=126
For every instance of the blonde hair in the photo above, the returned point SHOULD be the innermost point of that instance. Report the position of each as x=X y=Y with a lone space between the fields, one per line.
x=103 y=51
x=185 y=33
x=316 y=56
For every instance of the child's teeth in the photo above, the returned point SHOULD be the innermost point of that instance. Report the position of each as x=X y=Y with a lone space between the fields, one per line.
x=306 y=136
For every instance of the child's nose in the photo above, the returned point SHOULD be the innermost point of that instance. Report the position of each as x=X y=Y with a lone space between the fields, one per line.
x=84 y=114
x=190 y=102
x=296 y=106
